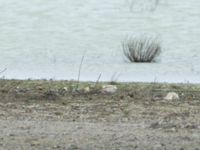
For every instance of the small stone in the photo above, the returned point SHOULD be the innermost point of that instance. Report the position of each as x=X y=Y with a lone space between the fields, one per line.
x=56 y=147
x=11 y=134
x=109 y=89
x=155 y=125
x=73 y=147
x=172 y=130
x=58 y=113
x=172 y=96
x=35 y=143
x=86 y=90
x=39 y=88
x=65 y=89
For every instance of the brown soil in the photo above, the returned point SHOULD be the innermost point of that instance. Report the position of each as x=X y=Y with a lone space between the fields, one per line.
x=41 y=115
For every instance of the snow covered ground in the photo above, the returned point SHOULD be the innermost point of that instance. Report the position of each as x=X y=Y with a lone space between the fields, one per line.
x=47 y=38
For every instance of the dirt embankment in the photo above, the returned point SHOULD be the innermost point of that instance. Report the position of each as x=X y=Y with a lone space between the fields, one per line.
x=41 y=115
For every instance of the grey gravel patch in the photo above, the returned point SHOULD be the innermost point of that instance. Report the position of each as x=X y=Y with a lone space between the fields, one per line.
x=50 y=126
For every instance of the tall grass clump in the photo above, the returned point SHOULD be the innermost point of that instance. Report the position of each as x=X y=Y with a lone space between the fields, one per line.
x=145 y=49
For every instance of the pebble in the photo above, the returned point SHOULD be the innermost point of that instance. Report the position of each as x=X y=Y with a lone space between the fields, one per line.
x=171 y=96
x=86 y=90
x=109 y=89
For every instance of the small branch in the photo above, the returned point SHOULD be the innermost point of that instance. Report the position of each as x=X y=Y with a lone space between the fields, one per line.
x=115 y=77
x=98 y=80
x=79 y=71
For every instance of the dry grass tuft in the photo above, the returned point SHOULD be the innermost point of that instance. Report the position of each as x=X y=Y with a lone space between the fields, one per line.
x=141 y=49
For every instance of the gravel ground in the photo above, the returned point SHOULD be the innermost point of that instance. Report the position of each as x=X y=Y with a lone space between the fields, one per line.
x=90 y=126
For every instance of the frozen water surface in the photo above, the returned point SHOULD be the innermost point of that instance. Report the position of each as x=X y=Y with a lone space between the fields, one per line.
x=47 y=38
